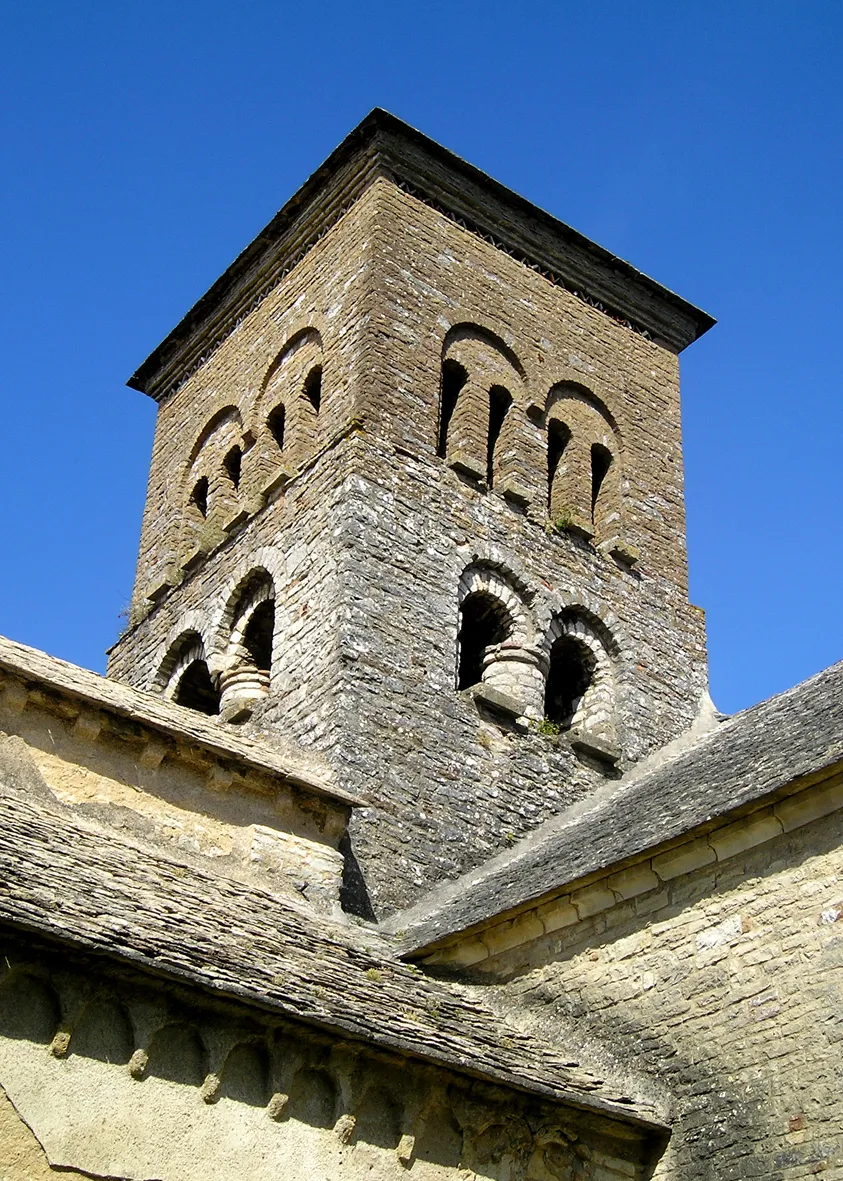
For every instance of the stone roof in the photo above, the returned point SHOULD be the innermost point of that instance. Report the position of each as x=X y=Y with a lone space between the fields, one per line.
x=733 y=769
x=284 y=760
x=383 y=145
x=72 y=882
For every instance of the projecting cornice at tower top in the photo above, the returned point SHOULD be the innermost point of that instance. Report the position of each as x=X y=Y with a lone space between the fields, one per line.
x=384 y=146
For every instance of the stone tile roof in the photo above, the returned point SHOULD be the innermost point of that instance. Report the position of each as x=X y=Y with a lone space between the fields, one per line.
x=71 y=882
x=730 y=769
x=382 y=145
x=287 y=761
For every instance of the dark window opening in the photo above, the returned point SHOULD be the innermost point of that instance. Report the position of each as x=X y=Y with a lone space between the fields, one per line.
x=199 y=495
x=601 y=461
x=485 y=621
x=196 y=689
x=233 y=463
x=313 y=387
x=257 y=638
x=558 y=438
x=571 y=672
x=275 y=422
x=500 y=401
x=454 y=378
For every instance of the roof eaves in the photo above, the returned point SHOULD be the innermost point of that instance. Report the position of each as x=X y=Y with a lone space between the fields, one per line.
x=383 y=144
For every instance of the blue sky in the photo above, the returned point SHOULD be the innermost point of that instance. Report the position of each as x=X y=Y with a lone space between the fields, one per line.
x=145 y=144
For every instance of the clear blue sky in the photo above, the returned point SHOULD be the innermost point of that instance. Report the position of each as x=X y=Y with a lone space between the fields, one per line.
x=144 y=144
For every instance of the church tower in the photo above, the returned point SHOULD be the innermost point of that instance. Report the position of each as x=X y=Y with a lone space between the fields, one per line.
x=416 y=500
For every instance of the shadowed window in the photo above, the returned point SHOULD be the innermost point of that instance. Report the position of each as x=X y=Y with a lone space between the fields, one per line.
x=485 y=621
x=313 y=387
x=275 y=422
x=196 y=689
x=454 y=378
x=558 y=438
x=500 y=401
x=601 y=461
x=232 y=464
x=257 y=638
x=199 y=496
x=572 y=666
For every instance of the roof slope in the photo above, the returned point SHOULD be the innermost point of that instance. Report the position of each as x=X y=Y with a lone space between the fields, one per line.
x=745 y=759
x=383 y=145
x=74 y=883
x=284 y=759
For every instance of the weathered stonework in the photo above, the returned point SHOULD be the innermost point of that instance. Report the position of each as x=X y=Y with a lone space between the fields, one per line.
x=722 y=983
x=417 y=414
x=410 y=641
x=179 y=1083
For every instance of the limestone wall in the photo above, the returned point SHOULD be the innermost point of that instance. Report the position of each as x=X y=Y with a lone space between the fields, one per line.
x=369 y=525
x=721 y=983
x=107 y=1075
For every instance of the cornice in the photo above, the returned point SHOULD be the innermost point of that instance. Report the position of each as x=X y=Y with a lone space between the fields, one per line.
x=383 y=145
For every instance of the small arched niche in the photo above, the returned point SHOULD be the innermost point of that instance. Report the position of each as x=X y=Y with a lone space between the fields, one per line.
x=185 y=678
x=496 y=656
x=212 y=478
x=583 y=464
x=29 y=1008
x=250 y=623
x=481 y=381
x=291 y=403
x=579 y=695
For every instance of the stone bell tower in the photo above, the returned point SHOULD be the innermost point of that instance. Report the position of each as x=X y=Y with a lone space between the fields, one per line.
x=416 y=499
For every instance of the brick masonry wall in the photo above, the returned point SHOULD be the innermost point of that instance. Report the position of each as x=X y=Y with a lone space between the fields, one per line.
x=369 y=541
x=720 y=993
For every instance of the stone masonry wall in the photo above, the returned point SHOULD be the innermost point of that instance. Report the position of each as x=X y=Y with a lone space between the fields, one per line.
x=282 y=517
x=106 y=1074
x=368 y=538
x=723 y=986
x=463 y=782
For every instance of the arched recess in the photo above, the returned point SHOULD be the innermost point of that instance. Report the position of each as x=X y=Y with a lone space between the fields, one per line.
x=211 y=485
x=584 y=459
x=482 y=385
x=29 y=1008
x=494 y=643
x=249 y=621
x=291 y=404
x=580 y=686
x=185 y=678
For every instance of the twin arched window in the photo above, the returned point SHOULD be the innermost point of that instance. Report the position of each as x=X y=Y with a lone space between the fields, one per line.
x=243 y=656
x=480 y=378
x=564 y=678
x=583 y=477
x=482 y=383
x=291 y=401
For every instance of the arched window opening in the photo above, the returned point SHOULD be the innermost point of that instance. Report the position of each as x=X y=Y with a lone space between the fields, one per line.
x=572 y=668
x=199 y=496
x=485 y=622
x=558 y=438
x=313 y=387
x=233 y=464
x=275 y=422
x=601 y=461
x=196 y=689
x=454 y=378
x=500 y=401
x=257 y=638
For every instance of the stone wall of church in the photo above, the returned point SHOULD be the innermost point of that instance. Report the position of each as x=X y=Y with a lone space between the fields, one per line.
x=421 y=533
x=375 y=524
x=722 y=985
x=109 y=1075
